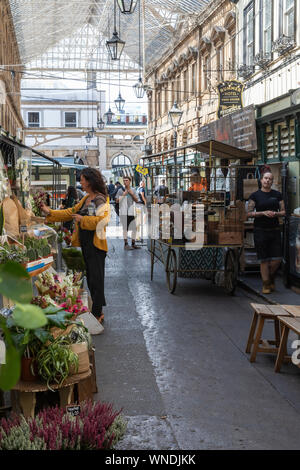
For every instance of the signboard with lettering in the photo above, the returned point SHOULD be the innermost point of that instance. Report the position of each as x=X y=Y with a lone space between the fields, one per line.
x=74 y=410
x=140 y=169
x=237 y=129
x=230 y=97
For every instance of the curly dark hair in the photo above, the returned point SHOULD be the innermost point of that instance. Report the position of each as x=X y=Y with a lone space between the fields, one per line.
x=72 y=192
x=95 y=180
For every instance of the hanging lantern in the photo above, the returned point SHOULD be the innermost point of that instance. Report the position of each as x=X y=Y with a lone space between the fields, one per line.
x=115 y=46
x=88 y=137
x=139 y=89
x=127 y=6
x=109 y=115
x=120 y=103
x=175 y=115
x=92 y=132
x=100 y=124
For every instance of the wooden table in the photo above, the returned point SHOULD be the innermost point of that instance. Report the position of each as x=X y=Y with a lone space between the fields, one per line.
x=26 y=392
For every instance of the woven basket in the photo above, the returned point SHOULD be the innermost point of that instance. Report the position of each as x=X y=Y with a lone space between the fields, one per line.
x=81 y=349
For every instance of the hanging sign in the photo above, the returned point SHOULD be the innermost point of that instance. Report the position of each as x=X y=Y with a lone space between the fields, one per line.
x=230 y=97
x=140 y=169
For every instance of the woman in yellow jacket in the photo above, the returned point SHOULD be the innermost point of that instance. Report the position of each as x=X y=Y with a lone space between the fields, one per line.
x=91 y=216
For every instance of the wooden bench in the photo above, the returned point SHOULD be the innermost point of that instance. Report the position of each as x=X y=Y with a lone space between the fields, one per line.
x=261 y=313
x=287 y=324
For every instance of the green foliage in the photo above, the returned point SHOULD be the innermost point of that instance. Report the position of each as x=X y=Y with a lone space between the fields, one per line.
x=55 y=362
x=73 y=259
x=37 y=248
x=11 y=370
x=29 y=316
x=12 y=253
x=15 y=284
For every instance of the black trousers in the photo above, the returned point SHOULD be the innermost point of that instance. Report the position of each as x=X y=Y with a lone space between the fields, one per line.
x=95 y=267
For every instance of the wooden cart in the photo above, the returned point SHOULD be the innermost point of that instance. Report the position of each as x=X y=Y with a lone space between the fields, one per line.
x=219 y=190
x=168 y=254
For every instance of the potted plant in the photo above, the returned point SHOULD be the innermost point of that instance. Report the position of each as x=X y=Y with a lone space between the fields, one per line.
x=96 y=427
x=73 y=259
x=56 y=361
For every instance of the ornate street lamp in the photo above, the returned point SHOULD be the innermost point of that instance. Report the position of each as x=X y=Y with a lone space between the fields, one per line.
x=138 y=88
x=127 y=6
x=109 y=114
x=100 y=123
x=120 y=103
x=115 y=45
x=88 y=137
x=175 y=115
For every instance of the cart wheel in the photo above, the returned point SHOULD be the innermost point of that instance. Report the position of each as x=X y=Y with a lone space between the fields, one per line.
x=171 y=271
x=231 y=272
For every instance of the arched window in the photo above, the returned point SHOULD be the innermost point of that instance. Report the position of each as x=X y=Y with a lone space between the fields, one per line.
x=120 y=160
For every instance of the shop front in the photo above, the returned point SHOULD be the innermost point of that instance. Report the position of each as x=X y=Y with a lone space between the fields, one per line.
x=278 y=128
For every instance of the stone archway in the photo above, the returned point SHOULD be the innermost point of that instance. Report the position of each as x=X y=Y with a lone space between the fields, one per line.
x=120 y=159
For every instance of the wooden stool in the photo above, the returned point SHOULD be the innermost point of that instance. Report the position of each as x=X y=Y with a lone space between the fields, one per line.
x=261 y=313
x=287 y=324
x=26 y=392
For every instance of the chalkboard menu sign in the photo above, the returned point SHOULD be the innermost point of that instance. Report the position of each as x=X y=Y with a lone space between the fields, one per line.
x=230 y=97
x=74 y=410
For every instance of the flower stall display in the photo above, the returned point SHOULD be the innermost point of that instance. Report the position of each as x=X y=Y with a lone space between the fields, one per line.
x=33 y=253
x=23 y=179
x=96 y=427
x=38 y=198
x=62 y=291
x=5 y=189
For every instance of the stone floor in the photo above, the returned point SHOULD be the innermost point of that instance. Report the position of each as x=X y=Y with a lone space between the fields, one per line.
x=176 y=364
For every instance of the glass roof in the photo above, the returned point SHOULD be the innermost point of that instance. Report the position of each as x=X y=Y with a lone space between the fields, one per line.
x=70 y=35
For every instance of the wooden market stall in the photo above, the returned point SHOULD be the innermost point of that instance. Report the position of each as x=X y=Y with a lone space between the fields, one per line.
x=220 y=182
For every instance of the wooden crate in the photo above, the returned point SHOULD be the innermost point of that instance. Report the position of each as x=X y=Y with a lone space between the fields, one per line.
x=238 y=227
x=230 y=238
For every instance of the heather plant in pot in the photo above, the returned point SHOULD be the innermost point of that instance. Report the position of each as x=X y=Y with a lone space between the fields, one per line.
x=96 y=427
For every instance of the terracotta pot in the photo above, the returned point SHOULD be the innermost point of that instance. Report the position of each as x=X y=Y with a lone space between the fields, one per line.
x=81 y=349
x=27 y=365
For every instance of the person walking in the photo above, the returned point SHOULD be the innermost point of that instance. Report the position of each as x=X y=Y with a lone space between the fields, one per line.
x=266 y=206
x=142 y=193
x=161 y=192
x=91 y=216
x=142 y=204
x=126 y=199
x=111 y=189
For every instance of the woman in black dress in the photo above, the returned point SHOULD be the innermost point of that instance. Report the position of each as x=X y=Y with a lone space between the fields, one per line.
x=266 y=206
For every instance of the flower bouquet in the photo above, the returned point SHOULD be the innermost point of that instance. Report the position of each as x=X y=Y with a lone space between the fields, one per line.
x=37 y=200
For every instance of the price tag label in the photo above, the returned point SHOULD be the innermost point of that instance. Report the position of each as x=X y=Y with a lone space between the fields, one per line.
x=23 y=228
x=74 y=410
